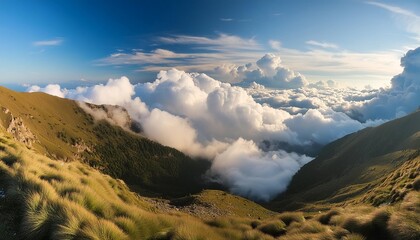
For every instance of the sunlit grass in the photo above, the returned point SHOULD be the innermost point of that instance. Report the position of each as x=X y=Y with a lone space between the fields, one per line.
x=69 y=200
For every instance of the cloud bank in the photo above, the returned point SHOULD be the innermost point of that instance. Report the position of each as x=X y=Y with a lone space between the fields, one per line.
x=267 y=71
x=402 y=98
x=224 y=53
x=256 y=136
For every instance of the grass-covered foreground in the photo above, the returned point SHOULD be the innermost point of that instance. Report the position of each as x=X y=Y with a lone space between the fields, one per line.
x=49 y=199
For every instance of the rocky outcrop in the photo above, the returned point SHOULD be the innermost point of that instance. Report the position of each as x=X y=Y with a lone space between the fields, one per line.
x=81 y=148
x=19 y=131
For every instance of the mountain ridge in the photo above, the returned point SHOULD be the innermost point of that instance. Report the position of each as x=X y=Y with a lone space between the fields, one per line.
x=47 y=194
x=357 y=159
x=63 y=130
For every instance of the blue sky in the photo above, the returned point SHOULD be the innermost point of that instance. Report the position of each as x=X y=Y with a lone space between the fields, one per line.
x=81 y=42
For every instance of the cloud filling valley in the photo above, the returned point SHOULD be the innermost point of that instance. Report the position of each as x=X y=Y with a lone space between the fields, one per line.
x=259 y=131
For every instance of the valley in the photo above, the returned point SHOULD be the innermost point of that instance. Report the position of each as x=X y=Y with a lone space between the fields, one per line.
x=67 y=175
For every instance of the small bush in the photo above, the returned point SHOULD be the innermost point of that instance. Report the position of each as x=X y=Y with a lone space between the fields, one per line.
x=404 y=224
x=354 y=225
x=373 y=224
x=339 y=232
x=380 y=218
x=416 y=184
x=325 y=218
x=69 y=229
x=219 y=222
x=289 y=217
x=354 y=236
x=255 y=223
x=37 y=219
x=274 y=228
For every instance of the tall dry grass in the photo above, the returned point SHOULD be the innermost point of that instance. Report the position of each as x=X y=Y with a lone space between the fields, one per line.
x=69 y=200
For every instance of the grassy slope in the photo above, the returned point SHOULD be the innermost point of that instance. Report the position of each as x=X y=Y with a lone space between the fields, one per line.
x=214 y=203
x=50 y=199
x=60 y=123
x=57 y=199
x=374 y=165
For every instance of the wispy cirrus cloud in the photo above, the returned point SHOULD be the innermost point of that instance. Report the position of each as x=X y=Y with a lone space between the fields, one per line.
x=394 y=9
x=207 y=54
x=274 y=44
x=222 y=42
x=161 y=59
x=226 y=19
x=49 y=42
x=409 y=19
x=202 y=53
x=322 y=44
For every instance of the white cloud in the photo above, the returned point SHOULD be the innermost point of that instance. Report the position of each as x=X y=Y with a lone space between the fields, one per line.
x=402 y=98
x=321 y=44
x=276 y=45
x=51 y=42
x=205 y=54
x=267 y=71
x=113 y=114
x=410 y=20
x=248 y=171
x=226 y=19
x=157 y=56
x=222 y=54
x=221 y=43
x=394 y=9
x=205 y=117
x=52 y=89
x=343 y=66
x=247 y=131
x=213 y=53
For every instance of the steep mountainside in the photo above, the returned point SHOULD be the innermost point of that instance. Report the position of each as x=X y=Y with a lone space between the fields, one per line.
x=53 y=156
x=43 y=198
x=375 y=165
x=61 y=129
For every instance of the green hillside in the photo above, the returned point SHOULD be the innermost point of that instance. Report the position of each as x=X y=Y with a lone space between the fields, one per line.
x=60 y=173
x=50 y=199
x=375 y=166
x=60 y=129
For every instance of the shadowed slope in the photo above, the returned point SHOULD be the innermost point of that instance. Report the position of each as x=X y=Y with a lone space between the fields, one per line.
x=60 y=129
x=358 y=163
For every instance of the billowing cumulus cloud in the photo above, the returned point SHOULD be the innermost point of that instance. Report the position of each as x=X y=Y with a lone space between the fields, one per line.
x=267 y=71
x=256 y=136
x=248 y=171
x=402 y=98
x=52 y=89
x=208 y=118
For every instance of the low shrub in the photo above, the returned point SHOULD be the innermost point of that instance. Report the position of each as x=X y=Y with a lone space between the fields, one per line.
x=289 y=217
x=274 y=228
x=326 y=217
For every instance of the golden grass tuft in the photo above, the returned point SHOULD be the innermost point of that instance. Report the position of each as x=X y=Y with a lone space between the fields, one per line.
x=354 y=236
x=289 y=217
x=404 y=224
x=326 y=217
x=274 y=228
x=69 y=200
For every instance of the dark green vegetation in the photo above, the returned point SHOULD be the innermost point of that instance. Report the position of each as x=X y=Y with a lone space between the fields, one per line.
x=53 y=157
x=60 y=129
